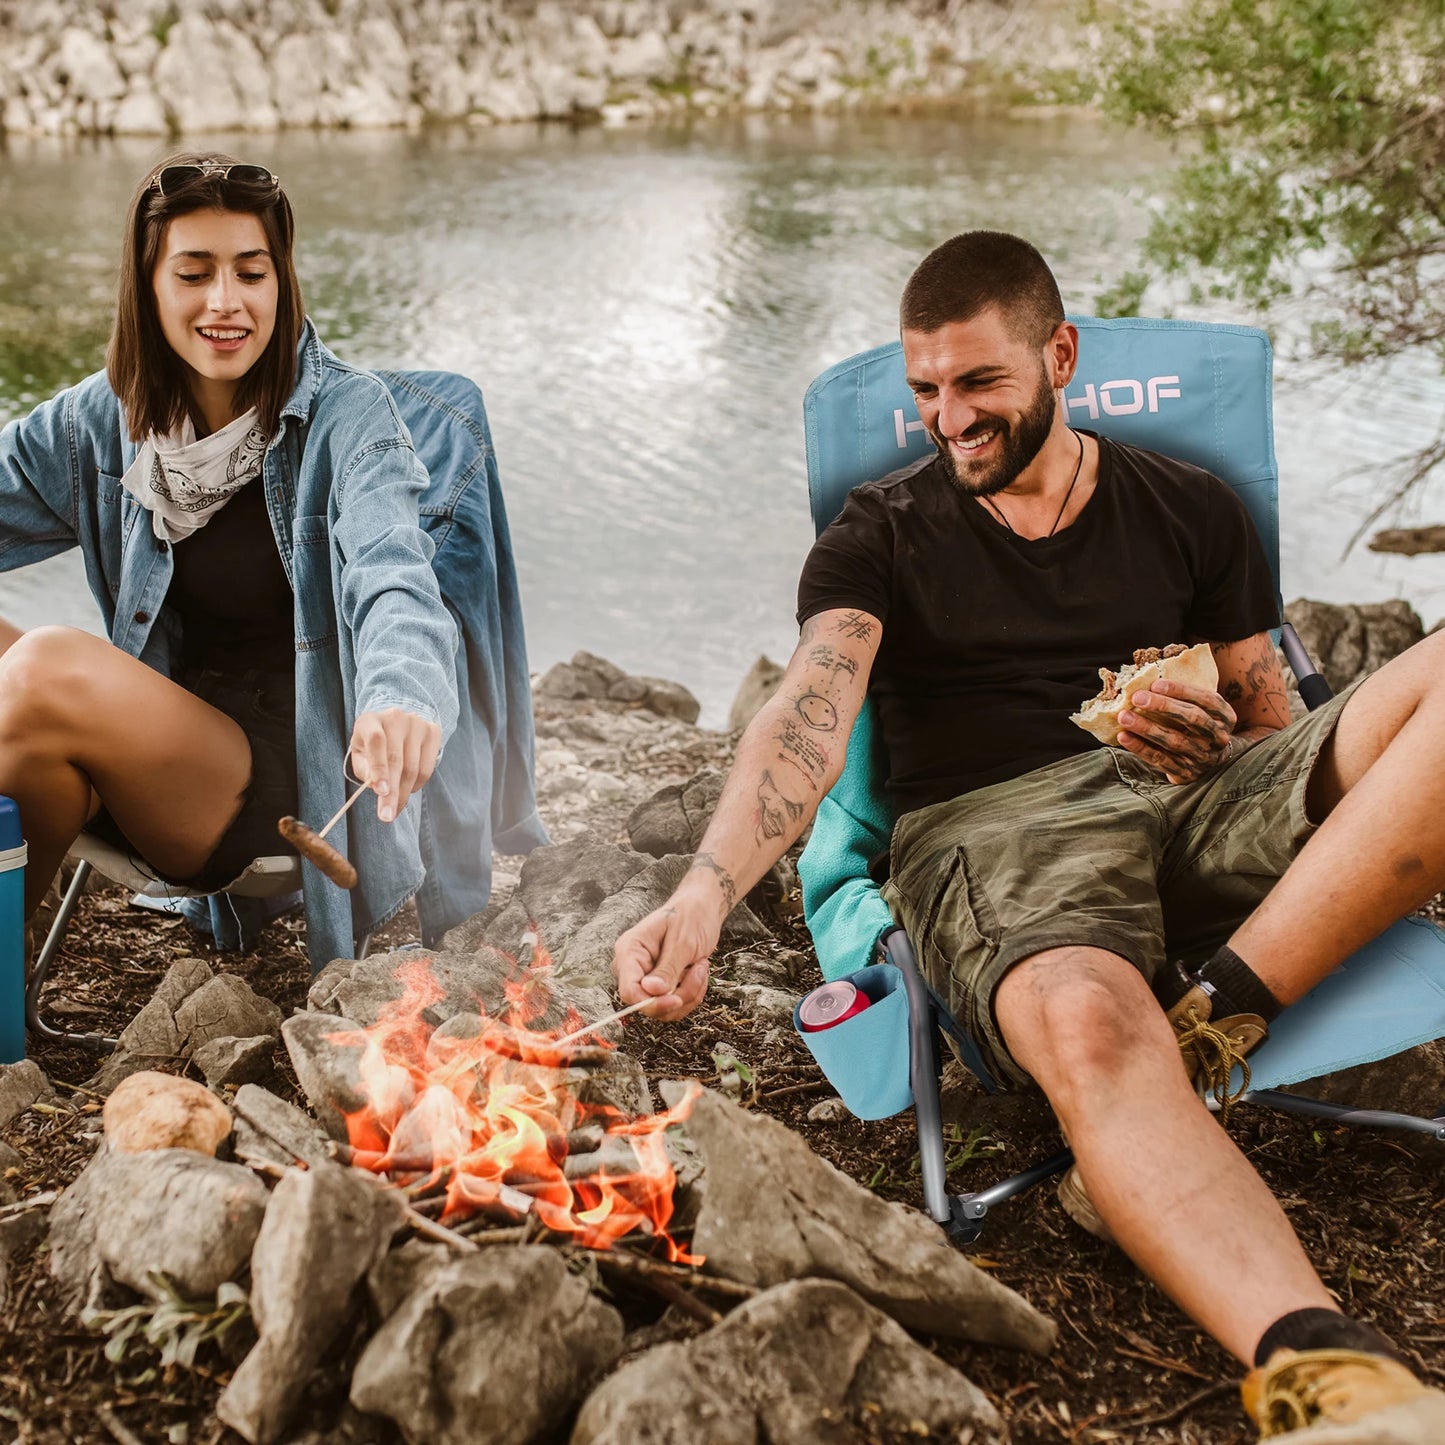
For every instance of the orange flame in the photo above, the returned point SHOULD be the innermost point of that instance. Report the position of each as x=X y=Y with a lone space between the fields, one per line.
x=489 y=1117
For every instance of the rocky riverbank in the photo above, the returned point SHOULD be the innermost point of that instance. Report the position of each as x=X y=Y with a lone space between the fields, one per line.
x=182 y=67
x=626 y=784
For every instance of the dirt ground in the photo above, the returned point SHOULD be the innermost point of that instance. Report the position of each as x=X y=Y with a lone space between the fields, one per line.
x=1129 y=1367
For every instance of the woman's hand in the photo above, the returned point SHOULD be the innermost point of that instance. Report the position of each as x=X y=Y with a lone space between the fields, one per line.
x=396 y=752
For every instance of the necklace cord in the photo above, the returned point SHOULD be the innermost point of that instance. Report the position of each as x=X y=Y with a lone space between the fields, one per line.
x=1063 y=506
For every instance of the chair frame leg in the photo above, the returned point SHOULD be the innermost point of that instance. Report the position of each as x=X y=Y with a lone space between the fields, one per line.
x=98 y=1043
x=962 y=1215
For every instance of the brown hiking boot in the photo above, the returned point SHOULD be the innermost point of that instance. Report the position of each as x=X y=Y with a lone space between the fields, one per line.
x=1075 y=1201
x=1212 y=1047
x=1343 y=1397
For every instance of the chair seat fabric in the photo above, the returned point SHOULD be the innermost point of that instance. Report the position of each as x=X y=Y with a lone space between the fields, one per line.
x=262 y=878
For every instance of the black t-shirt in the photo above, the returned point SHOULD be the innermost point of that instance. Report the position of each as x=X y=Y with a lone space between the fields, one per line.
x=991 y=640
x=235 y=600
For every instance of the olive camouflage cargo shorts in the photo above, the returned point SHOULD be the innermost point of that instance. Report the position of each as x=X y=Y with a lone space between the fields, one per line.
x=1096 y=850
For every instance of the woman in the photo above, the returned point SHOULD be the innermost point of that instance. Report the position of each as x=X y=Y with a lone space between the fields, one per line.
x=247 y=506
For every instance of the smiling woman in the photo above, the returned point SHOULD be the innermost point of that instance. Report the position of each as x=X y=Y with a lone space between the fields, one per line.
x=247 y=507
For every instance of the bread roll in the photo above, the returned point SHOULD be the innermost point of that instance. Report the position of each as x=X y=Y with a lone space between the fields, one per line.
x=1100 y=715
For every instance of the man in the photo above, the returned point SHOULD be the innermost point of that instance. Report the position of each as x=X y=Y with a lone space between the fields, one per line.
x=1040 y=875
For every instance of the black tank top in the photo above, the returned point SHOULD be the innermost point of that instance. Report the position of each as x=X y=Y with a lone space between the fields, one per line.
x=232 y=592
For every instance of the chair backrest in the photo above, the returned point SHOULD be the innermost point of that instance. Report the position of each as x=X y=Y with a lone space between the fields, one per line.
x=1193 y=390
x=1190 y=389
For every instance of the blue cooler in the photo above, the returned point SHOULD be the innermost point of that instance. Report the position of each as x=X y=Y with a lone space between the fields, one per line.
x=12 y=934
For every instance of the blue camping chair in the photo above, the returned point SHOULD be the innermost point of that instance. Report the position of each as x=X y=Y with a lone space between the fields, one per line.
x=1196 y=391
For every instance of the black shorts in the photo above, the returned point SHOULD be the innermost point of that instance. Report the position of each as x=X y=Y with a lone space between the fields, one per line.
x=263 y=704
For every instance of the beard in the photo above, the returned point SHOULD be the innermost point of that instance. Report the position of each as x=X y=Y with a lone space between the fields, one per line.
x=1019 y=443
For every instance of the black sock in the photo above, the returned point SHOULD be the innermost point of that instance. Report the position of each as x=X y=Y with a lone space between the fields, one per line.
x=1237 y=989
x=1321 y=1330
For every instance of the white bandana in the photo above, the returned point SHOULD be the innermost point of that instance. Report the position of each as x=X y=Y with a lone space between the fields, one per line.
x=183 y=482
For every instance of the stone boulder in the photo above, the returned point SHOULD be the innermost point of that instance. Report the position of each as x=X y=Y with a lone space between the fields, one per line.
x=808 y=1363
x=674 y=818
x=159 y=1111
x=172 y=1211
x=1350 y=641
x=325 y=1227
x=590 y=677
x=756 y=688
x=153 y=1035
x=447 y=1363
x=773 y=1211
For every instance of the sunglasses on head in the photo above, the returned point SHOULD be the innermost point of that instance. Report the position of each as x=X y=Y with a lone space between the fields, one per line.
x=171 y=178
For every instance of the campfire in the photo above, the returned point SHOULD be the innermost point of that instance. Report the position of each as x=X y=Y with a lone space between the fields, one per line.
x=486 y=1122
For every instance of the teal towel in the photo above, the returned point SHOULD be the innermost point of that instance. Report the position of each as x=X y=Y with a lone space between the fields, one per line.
x=843 y=909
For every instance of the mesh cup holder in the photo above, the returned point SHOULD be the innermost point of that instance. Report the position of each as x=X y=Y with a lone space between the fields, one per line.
x=866 y=1057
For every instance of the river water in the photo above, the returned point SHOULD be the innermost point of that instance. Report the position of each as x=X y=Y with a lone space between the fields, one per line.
x=643 y=309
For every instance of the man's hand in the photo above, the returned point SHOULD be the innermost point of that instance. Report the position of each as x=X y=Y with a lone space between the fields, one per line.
x=1182 y=730
x=396 y=752
x=665 y=957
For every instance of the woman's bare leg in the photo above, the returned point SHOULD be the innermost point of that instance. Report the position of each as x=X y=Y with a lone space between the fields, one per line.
x=80 y=720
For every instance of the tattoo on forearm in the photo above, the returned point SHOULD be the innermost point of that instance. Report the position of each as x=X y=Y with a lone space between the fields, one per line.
x=725 y=879
x=777 y=813
x=817 y=712
x=802 y=752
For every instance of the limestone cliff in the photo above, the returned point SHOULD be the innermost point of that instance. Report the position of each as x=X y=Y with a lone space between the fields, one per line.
x=156 y=67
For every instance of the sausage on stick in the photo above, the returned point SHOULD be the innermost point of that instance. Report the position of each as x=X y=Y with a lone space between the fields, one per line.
x=313 y=845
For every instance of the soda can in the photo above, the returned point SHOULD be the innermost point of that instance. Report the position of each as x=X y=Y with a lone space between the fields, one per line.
x=830 y=1005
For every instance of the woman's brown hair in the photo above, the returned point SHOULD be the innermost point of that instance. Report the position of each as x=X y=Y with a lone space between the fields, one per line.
x=147 y=376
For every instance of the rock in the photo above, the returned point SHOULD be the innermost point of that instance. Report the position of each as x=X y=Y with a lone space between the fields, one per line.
x=756 y=1001
x=564 y=683
x=755 y=689
x=9 y=1158
x=668 y=699
x=1348 y=642
x=563 y=885
x=325 y=1227
x=329 y=1071
x=455 y=983
x=808 y=1363
x=225 y=1007
x=153 y=1036
x=588 y=957
x=270 y=1130
x=159 y=1111
x=829 y=1111
x=774 y=1211
x=446 y=1365
x=401 y=1271
x=674 y=818
x=21 y=1085
x=227 y=1062
x=174 y=1211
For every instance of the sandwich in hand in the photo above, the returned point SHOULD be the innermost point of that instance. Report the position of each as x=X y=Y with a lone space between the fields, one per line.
x=1176 y=663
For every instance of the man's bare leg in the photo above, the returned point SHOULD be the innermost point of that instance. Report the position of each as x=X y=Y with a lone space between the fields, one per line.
x=1177 y=1194
x=83 y=722
x=1379 y=853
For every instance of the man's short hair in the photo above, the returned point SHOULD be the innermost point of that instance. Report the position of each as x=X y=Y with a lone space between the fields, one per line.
x=979 y=269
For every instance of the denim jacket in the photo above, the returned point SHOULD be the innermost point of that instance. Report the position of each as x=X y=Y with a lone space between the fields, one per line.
x=405 y=597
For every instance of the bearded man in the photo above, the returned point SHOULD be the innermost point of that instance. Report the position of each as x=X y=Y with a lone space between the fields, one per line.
x=1094 y=915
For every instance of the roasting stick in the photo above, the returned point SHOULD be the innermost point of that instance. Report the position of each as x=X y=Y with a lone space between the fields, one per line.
x=343 y=809
x=601 y=1023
